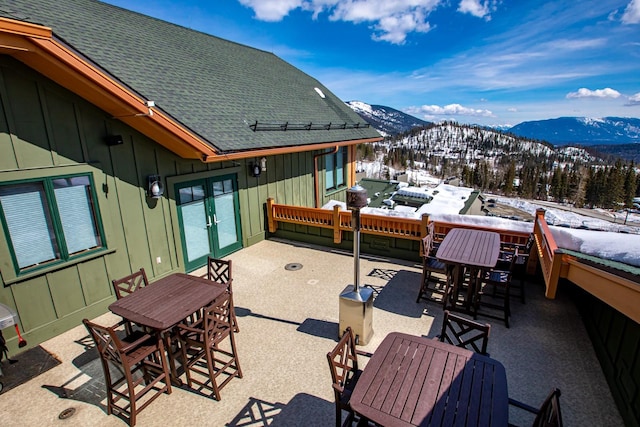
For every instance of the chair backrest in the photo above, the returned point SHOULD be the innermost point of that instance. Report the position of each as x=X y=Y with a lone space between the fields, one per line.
x=466 y=333
x=427 y=245
x=130 y=283
x=217 y=319
x=219 y=270
x=343 y=362
x=530 y=242
x=549 y=414
x=107 y=343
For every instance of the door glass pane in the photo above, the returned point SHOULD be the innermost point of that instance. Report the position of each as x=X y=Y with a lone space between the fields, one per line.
x=73 y=198
x=226 y=220
x=185 y=195
x=218 y=188
x=194 y=223
x=26 y=213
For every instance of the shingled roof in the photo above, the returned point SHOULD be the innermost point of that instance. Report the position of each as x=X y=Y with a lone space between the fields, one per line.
x=232 y=96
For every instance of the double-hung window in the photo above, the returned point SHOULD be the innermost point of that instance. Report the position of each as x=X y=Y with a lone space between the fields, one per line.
x=335 y=169
x=50 y=220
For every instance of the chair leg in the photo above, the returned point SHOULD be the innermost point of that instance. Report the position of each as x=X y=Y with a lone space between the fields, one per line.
x=507 y=307
x=212 y=372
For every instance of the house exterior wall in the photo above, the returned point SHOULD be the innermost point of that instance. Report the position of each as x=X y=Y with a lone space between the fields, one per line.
x=616 y=340
x=48 y=131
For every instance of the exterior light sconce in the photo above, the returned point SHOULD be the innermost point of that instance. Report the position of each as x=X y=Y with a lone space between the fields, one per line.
x=114 y=140
x=155 y=188
x=256 y=168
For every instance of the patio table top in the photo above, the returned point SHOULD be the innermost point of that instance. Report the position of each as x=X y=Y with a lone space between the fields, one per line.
x=166 y=302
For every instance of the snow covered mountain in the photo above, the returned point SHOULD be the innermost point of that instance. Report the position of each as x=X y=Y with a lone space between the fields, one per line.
x=581 y=130
x=468 y=143
x=386 y=120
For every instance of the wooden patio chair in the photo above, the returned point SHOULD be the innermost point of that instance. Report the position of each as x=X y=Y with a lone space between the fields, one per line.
x=466 y=333
x=130 y=283
x=219 y=271
x=127 y=285
x=140 y=359
x=520 y=265
x=547 y=415
x=430 y=265
x=500 y=282
x=202 y=353
x=343 y=364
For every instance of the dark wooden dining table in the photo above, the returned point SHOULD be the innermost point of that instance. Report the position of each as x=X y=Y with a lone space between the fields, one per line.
x=166 y=302
x=418 y=381
x=467 y=248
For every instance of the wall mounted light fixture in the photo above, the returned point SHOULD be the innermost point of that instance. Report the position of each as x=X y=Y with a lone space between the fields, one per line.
x=114 y=140
x=254 y=169
x=257 y=167
x=155 y=188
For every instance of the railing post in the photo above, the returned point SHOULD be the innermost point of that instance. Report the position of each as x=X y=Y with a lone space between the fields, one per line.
x=554 y=277
x=273 y=224
x=337 y=234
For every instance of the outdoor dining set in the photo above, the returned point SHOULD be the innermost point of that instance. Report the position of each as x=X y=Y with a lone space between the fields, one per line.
x=451 y=380
x=178 y=320
x=181 y=329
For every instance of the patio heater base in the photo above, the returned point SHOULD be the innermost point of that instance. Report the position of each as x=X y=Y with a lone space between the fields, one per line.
x=356 y=310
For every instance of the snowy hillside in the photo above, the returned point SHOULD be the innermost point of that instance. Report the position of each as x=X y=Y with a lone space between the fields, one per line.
x=471 y=143
x=386 y=120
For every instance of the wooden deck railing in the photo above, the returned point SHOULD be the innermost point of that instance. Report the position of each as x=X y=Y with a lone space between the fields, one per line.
x=546 y=248
x=620 y=293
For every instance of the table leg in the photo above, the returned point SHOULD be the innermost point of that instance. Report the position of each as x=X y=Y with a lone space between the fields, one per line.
x=175 y=378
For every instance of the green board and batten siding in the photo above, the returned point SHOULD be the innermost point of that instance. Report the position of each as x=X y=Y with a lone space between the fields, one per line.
x=45 y=130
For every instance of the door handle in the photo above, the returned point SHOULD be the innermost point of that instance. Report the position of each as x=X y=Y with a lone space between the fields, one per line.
x=215 y=219
x=208 y=220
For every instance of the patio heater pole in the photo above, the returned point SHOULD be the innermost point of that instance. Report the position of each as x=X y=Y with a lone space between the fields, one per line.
x=356 y=304
x=356 y=249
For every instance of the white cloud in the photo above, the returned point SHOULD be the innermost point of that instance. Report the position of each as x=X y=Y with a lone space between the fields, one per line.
x=583 y=92
x=391 y=21
x=632 y=13
x=449 y=110
x=271 y=10
x=512 y=110
x=476 y=8
x=634 y=99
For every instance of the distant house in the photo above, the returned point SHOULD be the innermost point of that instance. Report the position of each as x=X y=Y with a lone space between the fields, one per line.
x=129 y=142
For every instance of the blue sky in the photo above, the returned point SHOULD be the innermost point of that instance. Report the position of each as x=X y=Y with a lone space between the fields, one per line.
x=490 y=62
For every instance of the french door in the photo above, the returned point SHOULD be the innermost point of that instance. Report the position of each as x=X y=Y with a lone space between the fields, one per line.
x=209 y=217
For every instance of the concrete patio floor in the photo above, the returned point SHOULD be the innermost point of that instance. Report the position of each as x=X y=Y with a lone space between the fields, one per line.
x=288 y=322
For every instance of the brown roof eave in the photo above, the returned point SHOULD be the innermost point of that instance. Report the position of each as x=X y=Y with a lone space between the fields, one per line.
x=272 y=151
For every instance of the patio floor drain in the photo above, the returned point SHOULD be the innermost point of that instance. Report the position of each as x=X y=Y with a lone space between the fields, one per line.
x=293 y=266
x=67 y=413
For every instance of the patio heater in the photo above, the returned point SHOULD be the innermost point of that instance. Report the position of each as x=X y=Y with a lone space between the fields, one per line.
x=356 y=303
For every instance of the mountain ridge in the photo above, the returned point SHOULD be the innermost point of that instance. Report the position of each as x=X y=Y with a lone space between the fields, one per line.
x=558 y=131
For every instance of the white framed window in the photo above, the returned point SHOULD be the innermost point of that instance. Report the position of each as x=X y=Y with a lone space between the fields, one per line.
x=50 y=220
